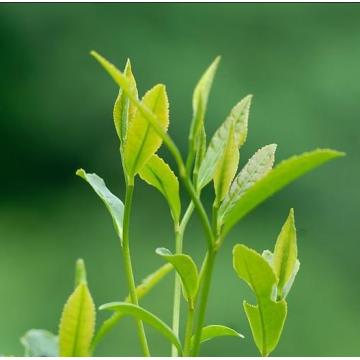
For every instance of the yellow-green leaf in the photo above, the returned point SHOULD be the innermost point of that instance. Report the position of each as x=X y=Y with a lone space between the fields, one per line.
x=226 y=167
x=238 y=118
x=158 y=174
x=283 y=174
x=267 y=318
x=112 y=203
x=142 y=141
x=124 y=110
x=146 y=316
x=200 y=100
x=187 y=270
x=77 y=323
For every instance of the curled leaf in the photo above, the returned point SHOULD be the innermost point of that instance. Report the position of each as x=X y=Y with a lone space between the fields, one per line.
x=212 y=331
x=40 y=343
x=112 y=203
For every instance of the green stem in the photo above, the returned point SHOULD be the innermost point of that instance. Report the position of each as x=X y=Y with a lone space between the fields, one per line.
x=206 y=279
x=127 y=262
x=188 y=330
x=179 y=235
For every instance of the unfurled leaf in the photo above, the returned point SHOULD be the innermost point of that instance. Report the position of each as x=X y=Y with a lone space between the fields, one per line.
x=283 y=174
x=77 y=323
x=112 y=203
x=124 y=110
x=141 y=290
x=200 y=100
x=146 y=316
x=212 y=331
x=226 y=167
x=254 y=170
x=158 y=174
x=268 y=316
x=40 y=343
x=142 y=141
x=238 y=118
x=285 y=253
x=187 y=270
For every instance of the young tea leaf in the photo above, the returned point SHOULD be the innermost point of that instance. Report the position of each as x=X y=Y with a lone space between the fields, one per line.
x=142 y=140
x=112 y=203
x=226 y=167
x=255 y=169
x=283 y=174
x=212 y=331
x=40 y=343
x=187 y=270
x=146 y=316
x=238 y=118
x=77 y=323
x=285 y=254
x=124 y=110
x=267 y=318
x=200 y=100
x=158 y=174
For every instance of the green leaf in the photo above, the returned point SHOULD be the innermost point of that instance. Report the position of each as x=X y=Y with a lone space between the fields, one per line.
x=212 y=331
x=267 y=318
x=200 y=100
x=124 y=110
x=226 y=167
x=112 y=203
x=146 y=316
x=283 y=174
x=141 y=290
x=285 y=253
x=200 y=148
x=77 y=323
x=256 y=168
x=40 y=343
x=238 y=118
x=187 y=270
x=158 y=174
x=80 y=272
x=142 y=140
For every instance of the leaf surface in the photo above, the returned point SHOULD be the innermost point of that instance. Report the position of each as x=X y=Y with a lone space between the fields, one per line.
x=158 y=174
x=283 y=174
x=187 y=270
x=146 y=316
x=40 y=343
x=112 y=203
x=212 y=331
x=142 y=140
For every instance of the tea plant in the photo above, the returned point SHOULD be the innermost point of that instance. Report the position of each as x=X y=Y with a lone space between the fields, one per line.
x=141 y=126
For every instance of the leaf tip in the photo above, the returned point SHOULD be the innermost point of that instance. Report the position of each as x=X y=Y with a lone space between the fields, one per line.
x=80 y=271
x=80 y=172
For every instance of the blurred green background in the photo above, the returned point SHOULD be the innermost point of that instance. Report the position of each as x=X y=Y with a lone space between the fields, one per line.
x=301 y=62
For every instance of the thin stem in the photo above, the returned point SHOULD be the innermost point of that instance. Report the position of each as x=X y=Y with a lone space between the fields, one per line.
x=206 y=279
x=188 y=330
x=128 y=264
x=179 y=235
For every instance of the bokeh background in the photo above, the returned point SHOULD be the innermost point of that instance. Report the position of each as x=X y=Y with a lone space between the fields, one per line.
x=300 y=61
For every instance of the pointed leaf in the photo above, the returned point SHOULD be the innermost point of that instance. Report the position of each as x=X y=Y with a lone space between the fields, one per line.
x=112 y=203
x=266 y=324
x=226 y=167
x=238 y=118
x=255 y=169
x=40 y=343
x=285 y=253
x=268 y=316
x=200 y=150
x=141 y=290
x=284 y=173
x=77 y=323
x=187 y=270
x=124 y=110
x=212 y=331
x=142 y=140
x=200 y=99
x=146 y=316
x=158 y=174
x=80 y=272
